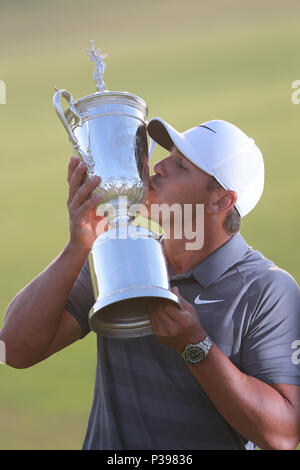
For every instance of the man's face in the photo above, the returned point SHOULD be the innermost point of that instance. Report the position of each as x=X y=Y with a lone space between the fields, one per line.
x=177 y=180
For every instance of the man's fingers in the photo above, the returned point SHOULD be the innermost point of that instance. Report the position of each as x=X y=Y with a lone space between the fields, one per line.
x=84 y=192
x=81 y=185
x=162 y=323
x=185 y=305
x=73 y=163
x=89 y=204
x=173 y=314
x=164 y=309
x=175 y=291
x=76 y=180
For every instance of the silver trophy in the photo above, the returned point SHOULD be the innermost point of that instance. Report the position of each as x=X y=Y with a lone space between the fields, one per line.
x=128 y=269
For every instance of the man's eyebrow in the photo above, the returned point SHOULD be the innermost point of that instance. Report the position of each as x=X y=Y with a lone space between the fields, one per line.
x=177 y=151
x=179 y=156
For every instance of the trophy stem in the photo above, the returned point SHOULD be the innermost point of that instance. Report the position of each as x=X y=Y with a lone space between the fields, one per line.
x=119 y=216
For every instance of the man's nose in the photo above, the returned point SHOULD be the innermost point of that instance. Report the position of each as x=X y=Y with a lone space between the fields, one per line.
x=160 y=168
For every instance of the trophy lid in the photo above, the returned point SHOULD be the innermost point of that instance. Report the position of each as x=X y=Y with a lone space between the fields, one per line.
x=89 y=104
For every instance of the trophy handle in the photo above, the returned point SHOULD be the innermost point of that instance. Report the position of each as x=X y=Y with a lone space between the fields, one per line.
x=86 y=157
x=58 y=108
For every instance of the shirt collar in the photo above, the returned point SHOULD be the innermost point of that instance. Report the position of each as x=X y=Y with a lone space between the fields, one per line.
x=216 y=264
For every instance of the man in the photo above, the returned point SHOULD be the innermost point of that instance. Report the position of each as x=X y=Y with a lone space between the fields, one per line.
x=219 y=372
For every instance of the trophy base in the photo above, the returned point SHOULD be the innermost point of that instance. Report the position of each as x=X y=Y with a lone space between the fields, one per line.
x=125 y=314
x=128 y=272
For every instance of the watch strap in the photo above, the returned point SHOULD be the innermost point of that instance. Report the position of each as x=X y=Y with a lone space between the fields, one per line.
x=204 y=345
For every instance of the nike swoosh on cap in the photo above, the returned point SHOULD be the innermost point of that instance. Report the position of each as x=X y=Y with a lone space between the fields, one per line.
x=206 y=127
x=199 y=301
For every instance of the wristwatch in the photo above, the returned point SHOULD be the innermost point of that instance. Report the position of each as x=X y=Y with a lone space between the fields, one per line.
x=195 y=353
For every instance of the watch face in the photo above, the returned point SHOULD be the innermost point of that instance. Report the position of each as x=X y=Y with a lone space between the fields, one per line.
x=194 y=354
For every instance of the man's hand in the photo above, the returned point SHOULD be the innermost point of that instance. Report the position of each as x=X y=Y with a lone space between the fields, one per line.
x=82 y=206
x=173 y=326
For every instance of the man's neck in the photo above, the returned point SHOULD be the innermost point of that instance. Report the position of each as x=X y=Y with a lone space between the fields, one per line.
x=182 y=259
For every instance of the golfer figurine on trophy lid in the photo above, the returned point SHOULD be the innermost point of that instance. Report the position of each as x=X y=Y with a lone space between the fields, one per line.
x=128 y=269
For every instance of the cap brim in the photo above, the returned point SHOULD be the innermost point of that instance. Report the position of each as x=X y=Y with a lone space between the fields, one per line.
x=161 y=132
x=166 y=136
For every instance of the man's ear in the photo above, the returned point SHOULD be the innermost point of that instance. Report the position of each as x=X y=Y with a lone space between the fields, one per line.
x=223 y=202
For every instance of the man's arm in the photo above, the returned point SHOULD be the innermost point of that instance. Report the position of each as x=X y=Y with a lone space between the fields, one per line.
x=267 y=415
x=36 y=318
x=36 y=323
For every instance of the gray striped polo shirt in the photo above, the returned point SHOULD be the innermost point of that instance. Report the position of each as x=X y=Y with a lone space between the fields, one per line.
x=146 y=398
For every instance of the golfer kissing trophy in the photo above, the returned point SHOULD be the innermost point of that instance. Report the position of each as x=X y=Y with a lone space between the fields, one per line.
x=128 y=269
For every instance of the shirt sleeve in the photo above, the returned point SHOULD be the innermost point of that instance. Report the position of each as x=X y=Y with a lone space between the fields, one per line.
x=271 y=346
x=81 y=299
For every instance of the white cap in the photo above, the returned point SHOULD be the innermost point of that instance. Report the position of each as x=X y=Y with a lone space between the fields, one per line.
x=223 y=151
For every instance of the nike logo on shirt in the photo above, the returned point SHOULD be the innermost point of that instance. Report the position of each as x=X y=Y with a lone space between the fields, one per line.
x=199 y=301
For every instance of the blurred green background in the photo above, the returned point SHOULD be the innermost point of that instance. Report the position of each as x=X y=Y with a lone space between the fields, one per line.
x=190 y=61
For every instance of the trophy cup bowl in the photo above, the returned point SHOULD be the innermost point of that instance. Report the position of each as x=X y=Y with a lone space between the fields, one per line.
x=128 y=269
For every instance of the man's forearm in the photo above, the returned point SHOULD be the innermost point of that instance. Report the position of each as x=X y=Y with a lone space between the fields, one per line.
x=33 y=316
x=253 y=408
